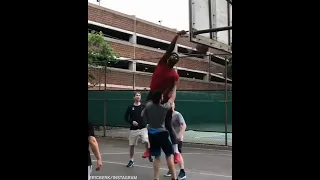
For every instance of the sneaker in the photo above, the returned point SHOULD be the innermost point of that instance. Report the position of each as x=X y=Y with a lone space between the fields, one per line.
x=168 y=174
x=146 y=154
x=130 y=164
x=177 y=158
x=150 y=159
x=181 y=175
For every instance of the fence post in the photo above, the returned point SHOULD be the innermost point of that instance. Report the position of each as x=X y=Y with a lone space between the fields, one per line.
x=134 y=80
x=226 y=68
x=226 y=102
x=104 y=117
x=99 y=72
x=105 y=76
x=134 y=53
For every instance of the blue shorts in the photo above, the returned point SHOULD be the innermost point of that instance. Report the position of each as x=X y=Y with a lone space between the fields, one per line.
x=158 y=141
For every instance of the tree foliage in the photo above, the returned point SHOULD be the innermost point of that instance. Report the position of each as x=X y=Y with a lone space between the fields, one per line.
x=100 y=53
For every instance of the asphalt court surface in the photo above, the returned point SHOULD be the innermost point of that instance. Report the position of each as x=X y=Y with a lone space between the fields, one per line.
x=200 y=163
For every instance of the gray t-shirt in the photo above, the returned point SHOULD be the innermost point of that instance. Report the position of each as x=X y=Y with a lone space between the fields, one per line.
x=177 y=121
x=155 y=115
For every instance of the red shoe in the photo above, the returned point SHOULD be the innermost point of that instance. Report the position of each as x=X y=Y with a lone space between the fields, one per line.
x=146 y=154
x=177 y=158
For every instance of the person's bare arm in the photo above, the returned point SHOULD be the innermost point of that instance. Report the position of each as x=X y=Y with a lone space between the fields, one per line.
x=95 y=147
x=183 y=126
x=173 y=95
x=169 y=90
x=171 y=47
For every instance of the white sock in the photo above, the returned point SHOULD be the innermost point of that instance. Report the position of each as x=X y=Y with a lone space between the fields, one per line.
x=175 y=148
x=131 y=159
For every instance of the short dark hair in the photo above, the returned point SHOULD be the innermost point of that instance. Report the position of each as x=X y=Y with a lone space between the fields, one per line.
x=175 y=54
x=135 y=93
x=156 y=97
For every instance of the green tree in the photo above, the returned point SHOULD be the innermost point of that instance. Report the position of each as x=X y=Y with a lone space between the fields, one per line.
x=100 y=53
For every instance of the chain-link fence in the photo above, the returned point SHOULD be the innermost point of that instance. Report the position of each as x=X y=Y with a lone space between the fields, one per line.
x=203 y=111
x=208 y=114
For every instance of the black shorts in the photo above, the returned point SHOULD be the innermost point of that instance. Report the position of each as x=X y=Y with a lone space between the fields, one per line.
x=160 y=141
x=180 y=146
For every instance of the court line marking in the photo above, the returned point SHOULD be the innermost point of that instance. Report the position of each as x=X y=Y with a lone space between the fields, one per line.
x=166 y=169
x=205 y=149
x=210 y=154
x=208 y=149
x=119 y=153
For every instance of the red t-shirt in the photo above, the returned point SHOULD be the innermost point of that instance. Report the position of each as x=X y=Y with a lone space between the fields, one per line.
x=163 y=77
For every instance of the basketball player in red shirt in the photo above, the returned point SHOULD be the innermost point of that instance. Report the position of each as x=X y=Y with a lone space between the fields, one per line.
x=164 y=79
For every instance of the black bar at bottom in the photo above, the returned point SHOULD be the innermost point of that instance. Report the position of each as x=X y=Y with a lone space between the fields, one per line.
x=213 y=30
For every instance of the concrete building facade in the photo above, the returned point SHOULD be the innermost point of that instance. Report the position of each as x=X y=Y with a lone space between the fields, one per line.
x=140 y=45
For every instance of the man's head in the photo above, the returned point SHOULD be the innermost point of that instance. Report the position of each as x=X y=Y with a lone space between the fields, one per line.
x=173 y=60
x=157 y=97
x=137 y=97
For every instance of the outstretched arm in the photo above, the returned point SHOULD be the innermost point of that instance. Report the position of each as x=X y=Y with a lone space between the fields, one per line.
x=171 y=47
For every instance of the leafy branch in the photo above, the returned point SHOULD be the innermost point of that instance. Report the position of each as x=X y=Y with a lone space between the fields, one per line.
x=100 y=53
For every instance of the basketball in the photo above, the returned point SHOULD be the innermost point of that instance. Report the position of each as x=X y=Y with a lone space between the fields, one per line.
x=202 y=48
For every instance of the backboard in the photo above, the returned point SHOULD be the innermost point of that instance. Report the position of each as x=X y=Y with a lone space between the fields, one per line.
x=210 y=19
